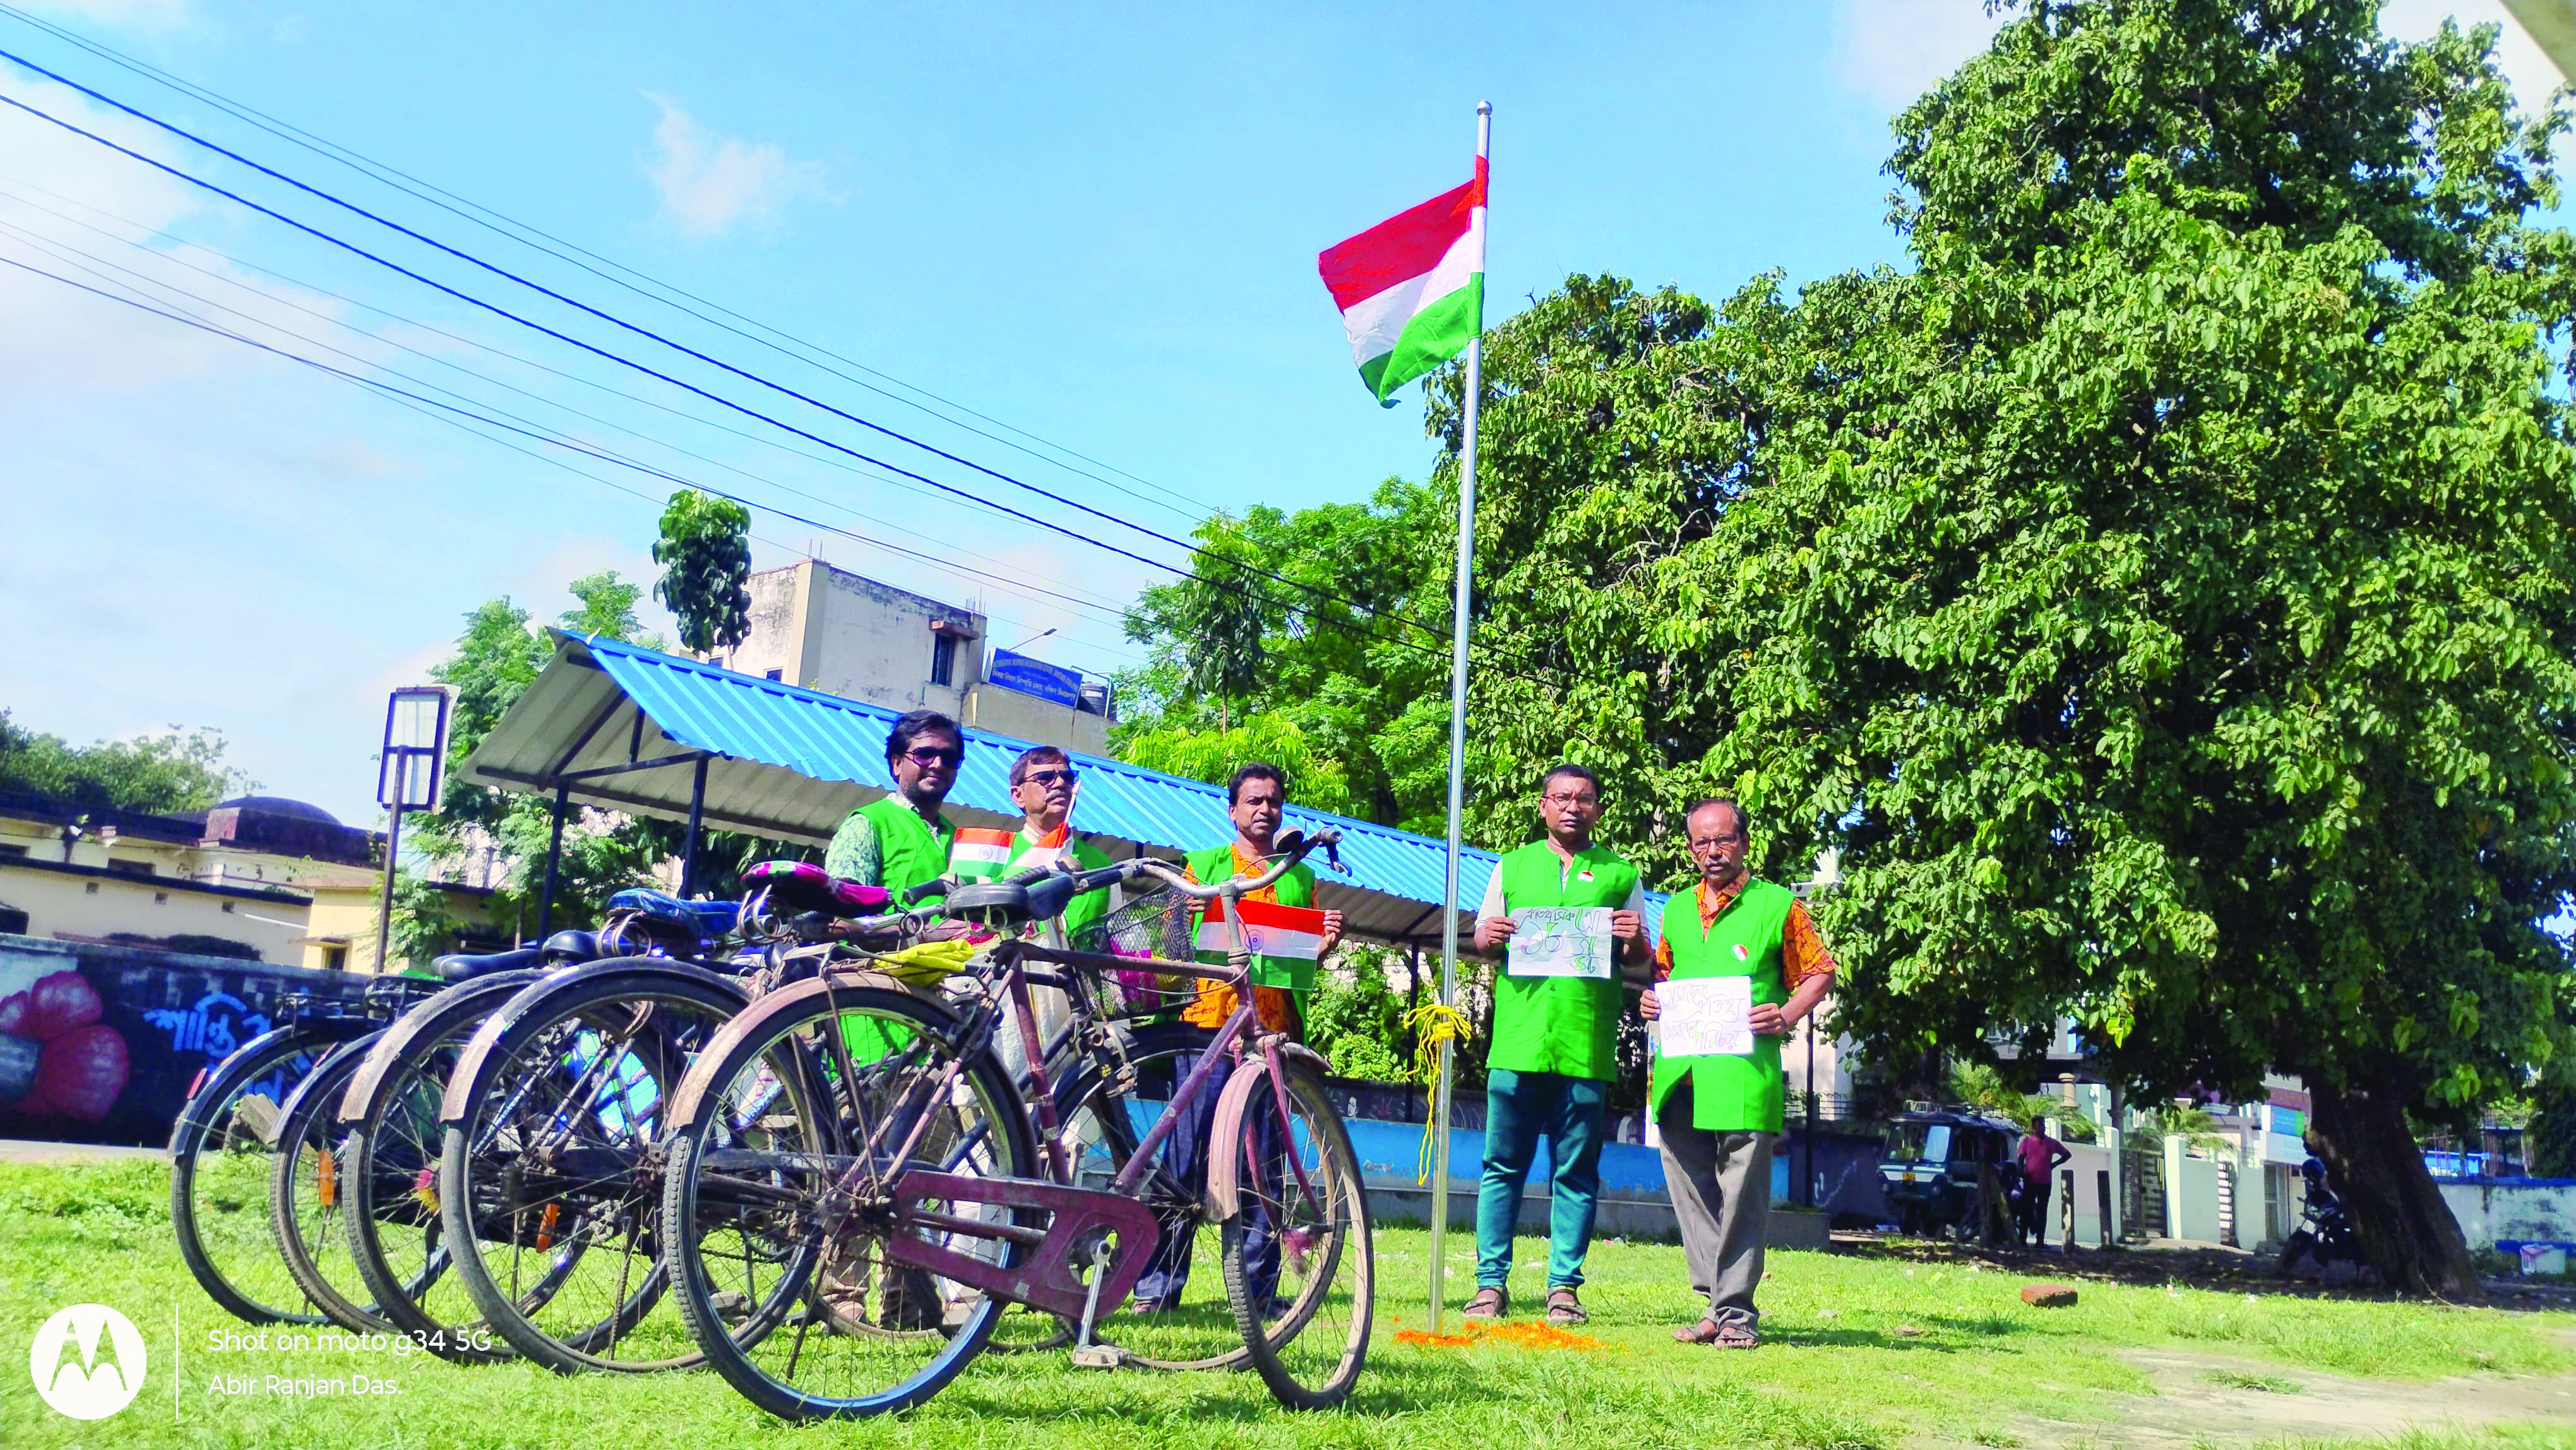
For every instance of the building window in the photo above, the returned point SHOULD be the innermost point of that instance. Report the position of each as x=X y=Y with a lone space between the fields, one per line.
x=12 y=851
x=160 y=898
x=335 y=959
x=943 y=659
x=89 y=888
x=127 y=866
x=776 y=674
x=228 y=908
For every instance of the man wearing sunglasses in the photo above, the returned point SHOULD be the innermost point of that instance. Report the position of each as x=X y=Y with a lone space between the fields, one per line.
x=1044 y=786
x=901 y=841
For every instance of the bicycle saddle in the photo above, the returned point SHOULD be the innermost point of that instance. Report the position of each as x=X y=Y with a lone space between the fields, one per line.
x=800 y=886
x=706 y=920
x=464 y=966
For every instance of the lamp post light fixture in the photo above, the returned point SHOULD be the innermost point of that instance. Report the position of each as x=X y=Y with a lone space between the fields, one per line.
x=408 y=774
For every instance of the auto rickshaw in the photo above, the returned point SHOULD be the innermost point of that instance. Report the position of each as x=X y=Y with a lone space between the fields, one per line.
x=1934 y=1163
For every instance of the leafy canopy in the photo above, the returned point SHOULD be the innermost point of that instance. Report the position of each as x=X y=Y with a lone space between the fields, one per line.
x=705 y=554
x=177 y=773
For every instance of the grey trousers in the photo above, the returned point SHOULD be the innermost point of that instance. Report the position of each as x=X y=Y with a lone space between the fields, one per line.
x=1721 y=1188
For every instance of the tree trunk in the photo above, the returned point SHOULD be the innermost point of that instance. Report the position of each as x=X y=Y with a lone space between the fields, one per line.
x=2406 y=1230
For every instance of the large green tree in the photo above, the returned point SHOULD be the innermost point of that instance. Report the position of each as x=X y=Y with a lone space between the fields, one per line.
x=175 y=773
x=705 y=554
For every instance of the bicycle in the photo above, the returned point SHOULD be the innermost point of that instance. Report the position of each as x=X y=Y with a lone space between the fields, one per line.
x=920 y=1193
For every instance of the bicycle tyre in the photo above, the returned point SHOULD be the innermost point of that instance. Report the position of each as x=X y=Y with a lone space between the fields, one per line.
x=481 y=1179
x=211 y=1123
x=780 y=1029
x=1328 y=1207
x=307 y=1148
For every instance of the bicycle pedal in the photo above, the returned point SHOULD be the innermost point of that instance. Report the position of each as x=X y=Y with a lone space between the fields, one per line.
x=1098 y=1356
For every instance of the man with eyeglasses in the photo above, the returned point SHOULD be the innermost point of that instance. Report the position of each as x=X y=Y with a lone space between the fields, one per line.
x=1044 y=786
x=1720 y=1113
x=1554 y=1050
x=901 y=841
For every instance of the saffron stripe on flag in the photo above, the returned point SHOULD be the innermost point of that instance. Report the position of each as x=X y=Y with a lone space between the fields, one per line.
x=1405 y=245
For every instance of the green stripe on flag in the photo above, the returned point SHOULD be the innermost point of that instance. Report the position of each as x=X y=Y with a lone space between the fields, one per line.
x=1436 y=334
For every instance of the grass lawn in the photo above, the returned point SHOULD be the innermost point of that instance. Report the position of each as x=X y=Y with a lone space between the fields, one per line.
x=1861 y=1351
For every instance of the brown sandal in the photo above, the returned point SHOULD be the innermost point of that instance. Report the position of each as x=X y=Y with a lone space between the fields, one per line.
x=1564 y=1308
x=1733 y=1334
x=1489 y=1303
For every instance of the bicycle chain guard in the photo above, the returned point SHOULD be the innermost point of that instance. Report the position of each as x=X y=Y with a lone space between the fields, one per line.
x=1045 y=1280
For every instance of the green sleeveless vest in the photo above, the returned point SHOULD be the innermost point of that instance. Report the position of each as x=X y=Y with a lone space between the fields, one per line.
x=1730 y=1094
x=1297 y=888
x=909 y=852
x=1564 y=1025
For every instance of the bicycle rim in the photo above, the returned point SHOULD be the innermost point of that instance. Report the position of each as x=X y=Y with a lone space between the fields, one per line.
x=773 y=1207
x=221 y=1160
x=1298 y=1262
x=306 y=1200
x=550 y=1174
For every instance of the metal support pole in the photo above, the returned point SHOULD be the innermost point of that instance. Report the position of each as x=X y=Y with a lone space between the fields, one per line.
x=697 y=812
x=393 y=846
x=554 y=858
x=1457 y=752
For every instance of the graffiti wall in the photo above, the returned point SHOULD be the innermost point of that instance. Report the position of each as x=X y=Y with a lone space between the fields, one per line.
x=100 y=1044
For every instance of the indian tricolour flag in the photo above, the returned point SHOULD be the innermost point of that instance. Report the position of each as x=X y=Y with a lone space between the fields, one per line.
x=981 y=855
x=1412 y=288
x=1292 y=933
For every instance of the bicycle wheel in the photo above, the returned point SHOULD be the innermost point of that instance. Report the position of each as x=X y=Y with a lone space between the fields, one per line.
x=304 y=1197
x=777 y=1209
x=1298 y=1262
x=1188 y=1323
x=220 y=1152
x=389 y=1149
x=549 y=1162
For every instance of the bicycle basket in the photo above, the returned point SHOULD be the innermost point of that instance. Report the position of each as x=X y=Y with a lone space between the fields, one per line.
x=1156 y=923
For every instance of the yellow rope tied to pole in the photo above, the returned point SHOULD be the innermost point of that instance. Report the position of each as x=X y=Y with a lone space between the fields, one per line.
x=1431 y=1024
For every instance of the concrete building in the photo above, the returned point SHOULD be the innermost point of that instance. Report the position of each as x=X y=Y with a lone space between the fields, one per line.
x=258 y=876
x=831 y=630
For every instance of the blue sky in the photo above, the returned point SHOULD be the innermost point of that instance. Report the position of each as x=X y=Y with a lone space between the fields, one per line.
x=1095 y=225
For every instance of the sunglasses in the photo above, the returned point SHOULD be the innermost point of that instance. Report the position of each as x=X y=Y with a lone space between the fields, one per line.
x=927 y=758
x=1048 y=777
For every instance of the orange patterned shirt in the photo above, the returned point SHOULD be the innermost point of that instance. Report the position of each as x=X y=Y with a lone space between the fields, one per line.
x=1802 y=952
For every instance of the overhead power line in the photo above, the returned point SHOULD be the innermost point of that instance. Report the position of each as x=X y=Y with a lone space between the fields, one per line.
x=511 y=229
x=641 y=331
x=603 y=353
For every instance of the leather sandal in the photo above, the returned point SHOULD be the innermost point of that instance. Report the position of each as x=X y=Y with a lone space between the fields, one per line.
x=1734 y=1334
x=1489 y=1303
x=1564 y=1308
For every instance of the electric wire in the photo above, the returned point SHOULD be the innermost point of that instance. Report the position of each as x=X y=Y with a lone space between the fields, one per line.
x=1114 y=612
x=459 y=414
x=511 y=229
x=679 y=347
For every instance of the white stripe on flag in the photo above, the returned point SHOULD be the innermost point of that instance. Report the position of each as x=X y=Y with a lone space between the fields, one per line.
x=1375 y=323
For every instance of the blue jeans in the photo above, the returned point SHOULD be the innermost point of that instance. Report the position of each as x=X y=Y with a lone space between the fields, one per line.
x=1519 y=1108
x=1185 y=1158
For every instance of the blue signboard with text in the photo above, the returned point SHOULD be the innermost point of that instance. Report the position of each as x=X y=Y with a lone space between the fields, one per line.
x=1036 y=677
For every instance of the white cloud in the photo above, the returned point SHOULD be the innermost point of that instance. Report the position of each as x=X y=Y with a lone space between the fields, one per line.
x=1890 y=51
x=708 y=183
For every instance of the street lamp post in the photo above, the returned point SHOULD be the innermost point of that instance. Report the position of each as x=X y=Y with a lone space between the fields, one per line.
x=407 y=778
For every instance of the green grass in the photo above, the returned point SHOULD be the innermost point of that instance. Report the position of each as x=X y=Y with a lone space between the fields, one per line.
x=1835 y=1372
x=2268 y=1383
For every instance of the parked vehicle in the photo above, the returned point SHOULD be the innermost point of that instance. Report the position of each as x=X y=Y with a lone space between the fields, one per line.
x=2325 y=1231
x=1933 y=1165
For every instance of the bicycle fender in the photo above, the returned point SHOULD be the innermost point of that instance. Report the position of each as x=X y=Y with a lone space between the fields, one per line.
x=408 y=1027
x=1225 y=1125
x=690 y=1102
x=478 y=1049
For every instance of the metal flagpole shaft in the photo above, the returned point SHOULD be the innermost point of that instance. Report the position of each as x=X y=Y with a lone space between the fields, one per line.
x=1457 y=756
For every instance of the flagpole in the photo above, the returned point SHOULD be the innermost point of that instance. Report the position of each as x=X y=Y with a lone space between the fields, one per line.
x=1457 y=752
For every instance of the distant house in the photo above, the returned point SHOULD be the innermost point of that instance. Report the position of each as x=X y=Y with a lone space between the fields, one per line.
x=831 y=630
x=259 y=877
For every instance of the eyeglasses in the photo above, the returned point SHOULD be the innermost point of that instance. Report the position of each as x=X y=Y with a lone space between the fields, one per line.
x=928 y=758
x=1048 y=777
x=1586 y=799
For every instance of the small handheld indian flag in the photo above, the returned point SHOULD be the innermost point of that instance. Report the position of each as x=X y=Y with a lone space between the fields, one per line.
x=1269 y=930
x=980 y=854
x=1412 y=288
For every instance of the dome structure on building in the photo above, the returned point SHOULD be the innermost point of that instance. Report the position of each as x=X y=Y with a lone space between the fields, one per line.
x=280 y=808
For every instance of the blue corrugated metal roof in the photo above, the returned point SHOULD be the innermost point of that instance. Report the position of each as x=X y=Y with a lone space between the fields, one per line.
x=828 y=737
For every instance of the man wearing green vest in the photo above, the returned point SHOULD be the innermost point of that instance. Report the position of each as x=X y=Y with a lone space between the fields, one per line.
x=1256 y=797
x=1044 y=786
x=1548 y=1071
x=901 y=841
x=1719 y=1112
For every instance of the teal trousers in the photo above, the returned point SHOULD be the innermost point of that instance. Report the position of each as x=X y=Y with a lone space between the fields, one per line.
x=1520 y=1108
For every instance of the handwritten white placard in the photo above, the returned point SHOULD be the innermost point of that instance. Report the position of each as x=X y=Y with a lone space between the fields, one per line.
x=1706 y=1016
x=1561 y=941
